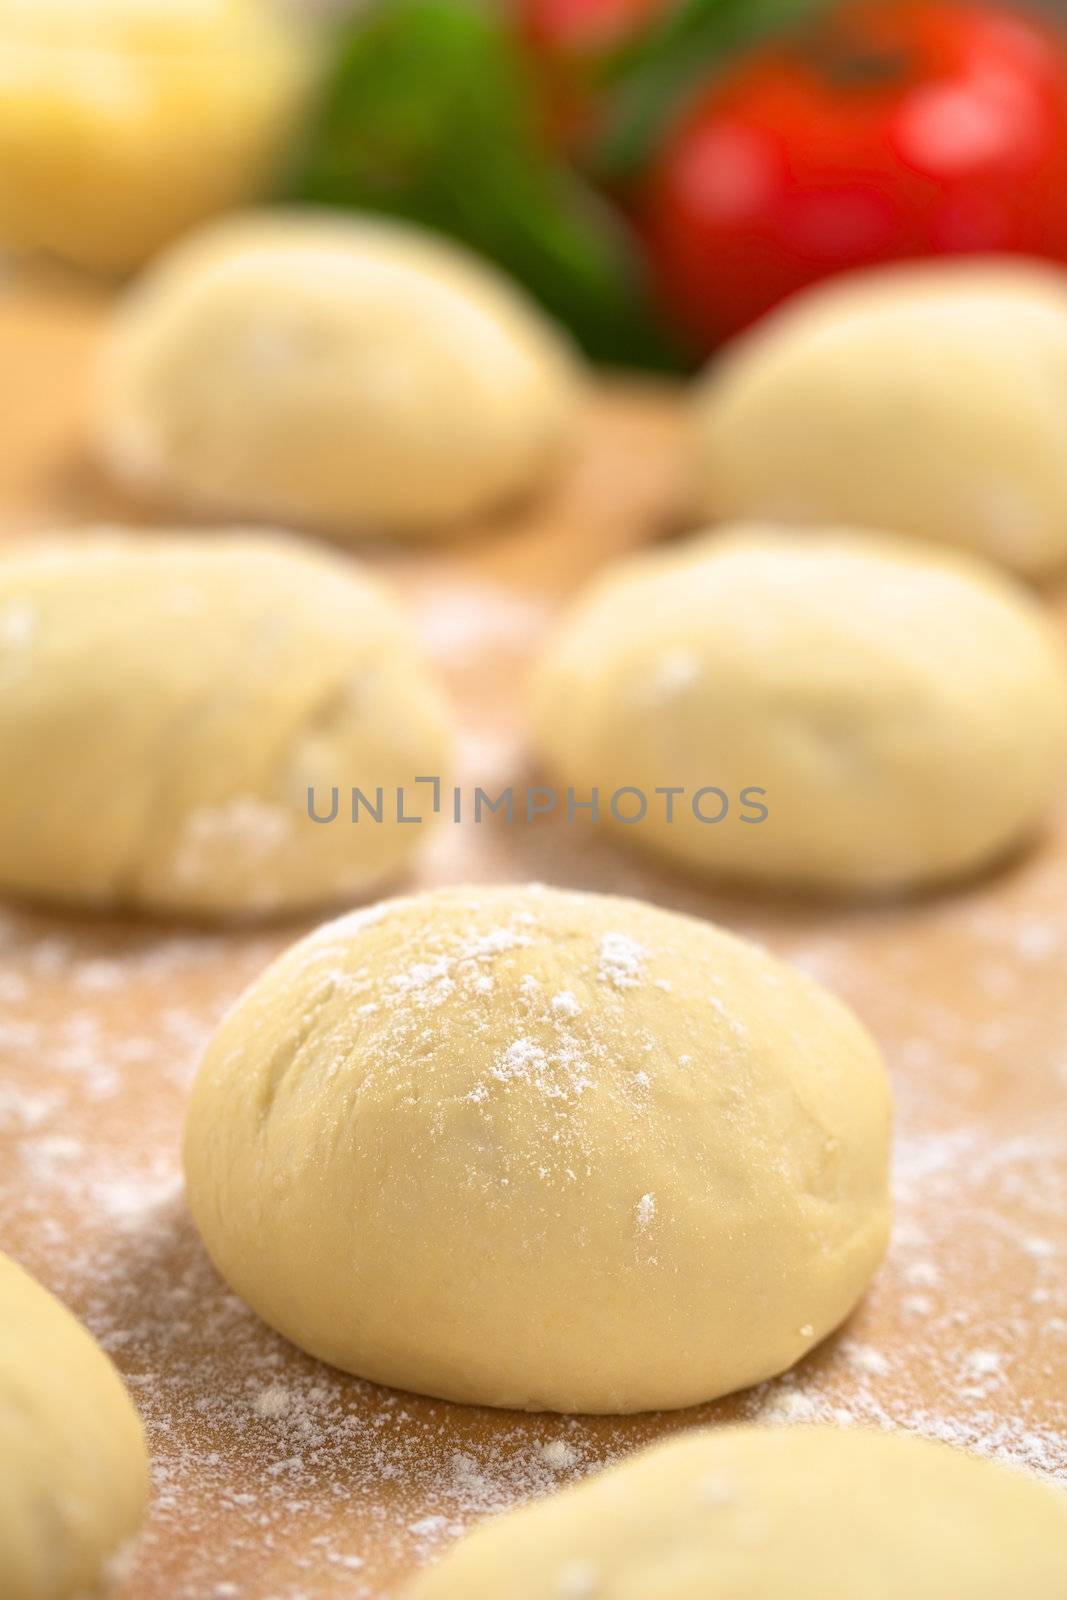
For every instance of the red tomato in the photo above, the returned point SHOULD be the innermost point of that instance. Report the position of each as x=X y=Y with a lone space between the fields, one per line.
x=890 y=129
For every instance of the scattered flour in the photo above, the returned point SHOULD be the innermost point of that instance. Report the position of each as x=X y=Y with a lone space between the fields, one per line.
x=621 y=961
x=272 y=1469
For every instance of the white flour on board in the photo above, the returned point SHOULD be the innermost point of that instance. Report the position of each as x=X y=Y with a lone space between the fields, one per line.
x=263 y=1455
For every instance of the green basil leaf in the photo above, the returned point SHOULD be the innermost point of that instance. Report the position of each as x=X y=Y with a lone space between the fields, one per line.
x=429 y=114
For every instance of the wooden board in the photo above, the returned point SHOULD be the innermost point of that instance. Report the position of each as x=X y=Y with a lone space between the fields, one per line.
x=279 y=1479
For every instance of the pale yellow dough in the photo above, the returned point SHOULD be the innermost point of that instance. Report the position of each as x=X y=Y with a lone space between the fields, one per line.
x=904 y=711
x=807 y=1513
x=124 y=122
x=353 y=373
x=929 y=400
x=167 y=700
x=530 y=1148
x=73 y=1467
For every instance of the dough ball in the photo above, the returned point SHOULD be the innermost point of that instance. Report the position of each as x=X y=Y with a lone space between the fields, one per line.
x=926 y=400
x=764 y=1513
x=545 y=1150
x=356 y=374
x=73 y=1468
x=874 y=716
x=167 y=702
x=124 y=122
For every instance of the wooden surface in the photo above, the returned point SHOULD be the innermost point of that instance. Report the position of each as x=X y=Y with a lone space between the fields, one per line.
x=279 y=1479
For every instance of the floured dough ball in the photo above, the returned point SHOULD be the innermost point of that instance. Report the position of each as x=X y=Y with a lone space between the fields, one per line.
x=546 y=1150
x=838 y=712
x=167 y=703
x=928 y=400
x=123 y=122
x=73 y=1468
x=811 y=1513
x=360 y=375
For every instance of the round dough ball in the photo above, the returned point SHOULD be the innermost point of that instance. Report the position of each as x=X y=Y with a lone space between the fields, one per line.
x=928 y=400
x=545 y=1150
x=167 y=702
x=762 y=1513
x=73 y=1468
x=899 y=715
x=123 y=123
x=360 y=375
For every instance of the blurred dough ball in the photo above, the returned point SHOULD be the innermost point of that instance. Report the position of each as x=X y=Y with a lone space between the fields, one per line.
x=73 y=1468
x=547 y=1150
x=361 y=375
x=903 y=711
x=928 y=400
x=123 y=122
x=165 y=703
x=808 y=1513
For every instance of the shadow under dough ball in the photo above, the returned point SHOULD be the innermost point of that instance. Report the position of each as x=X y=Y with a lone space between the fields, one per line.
x=530 y=1148
x=897 y=714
